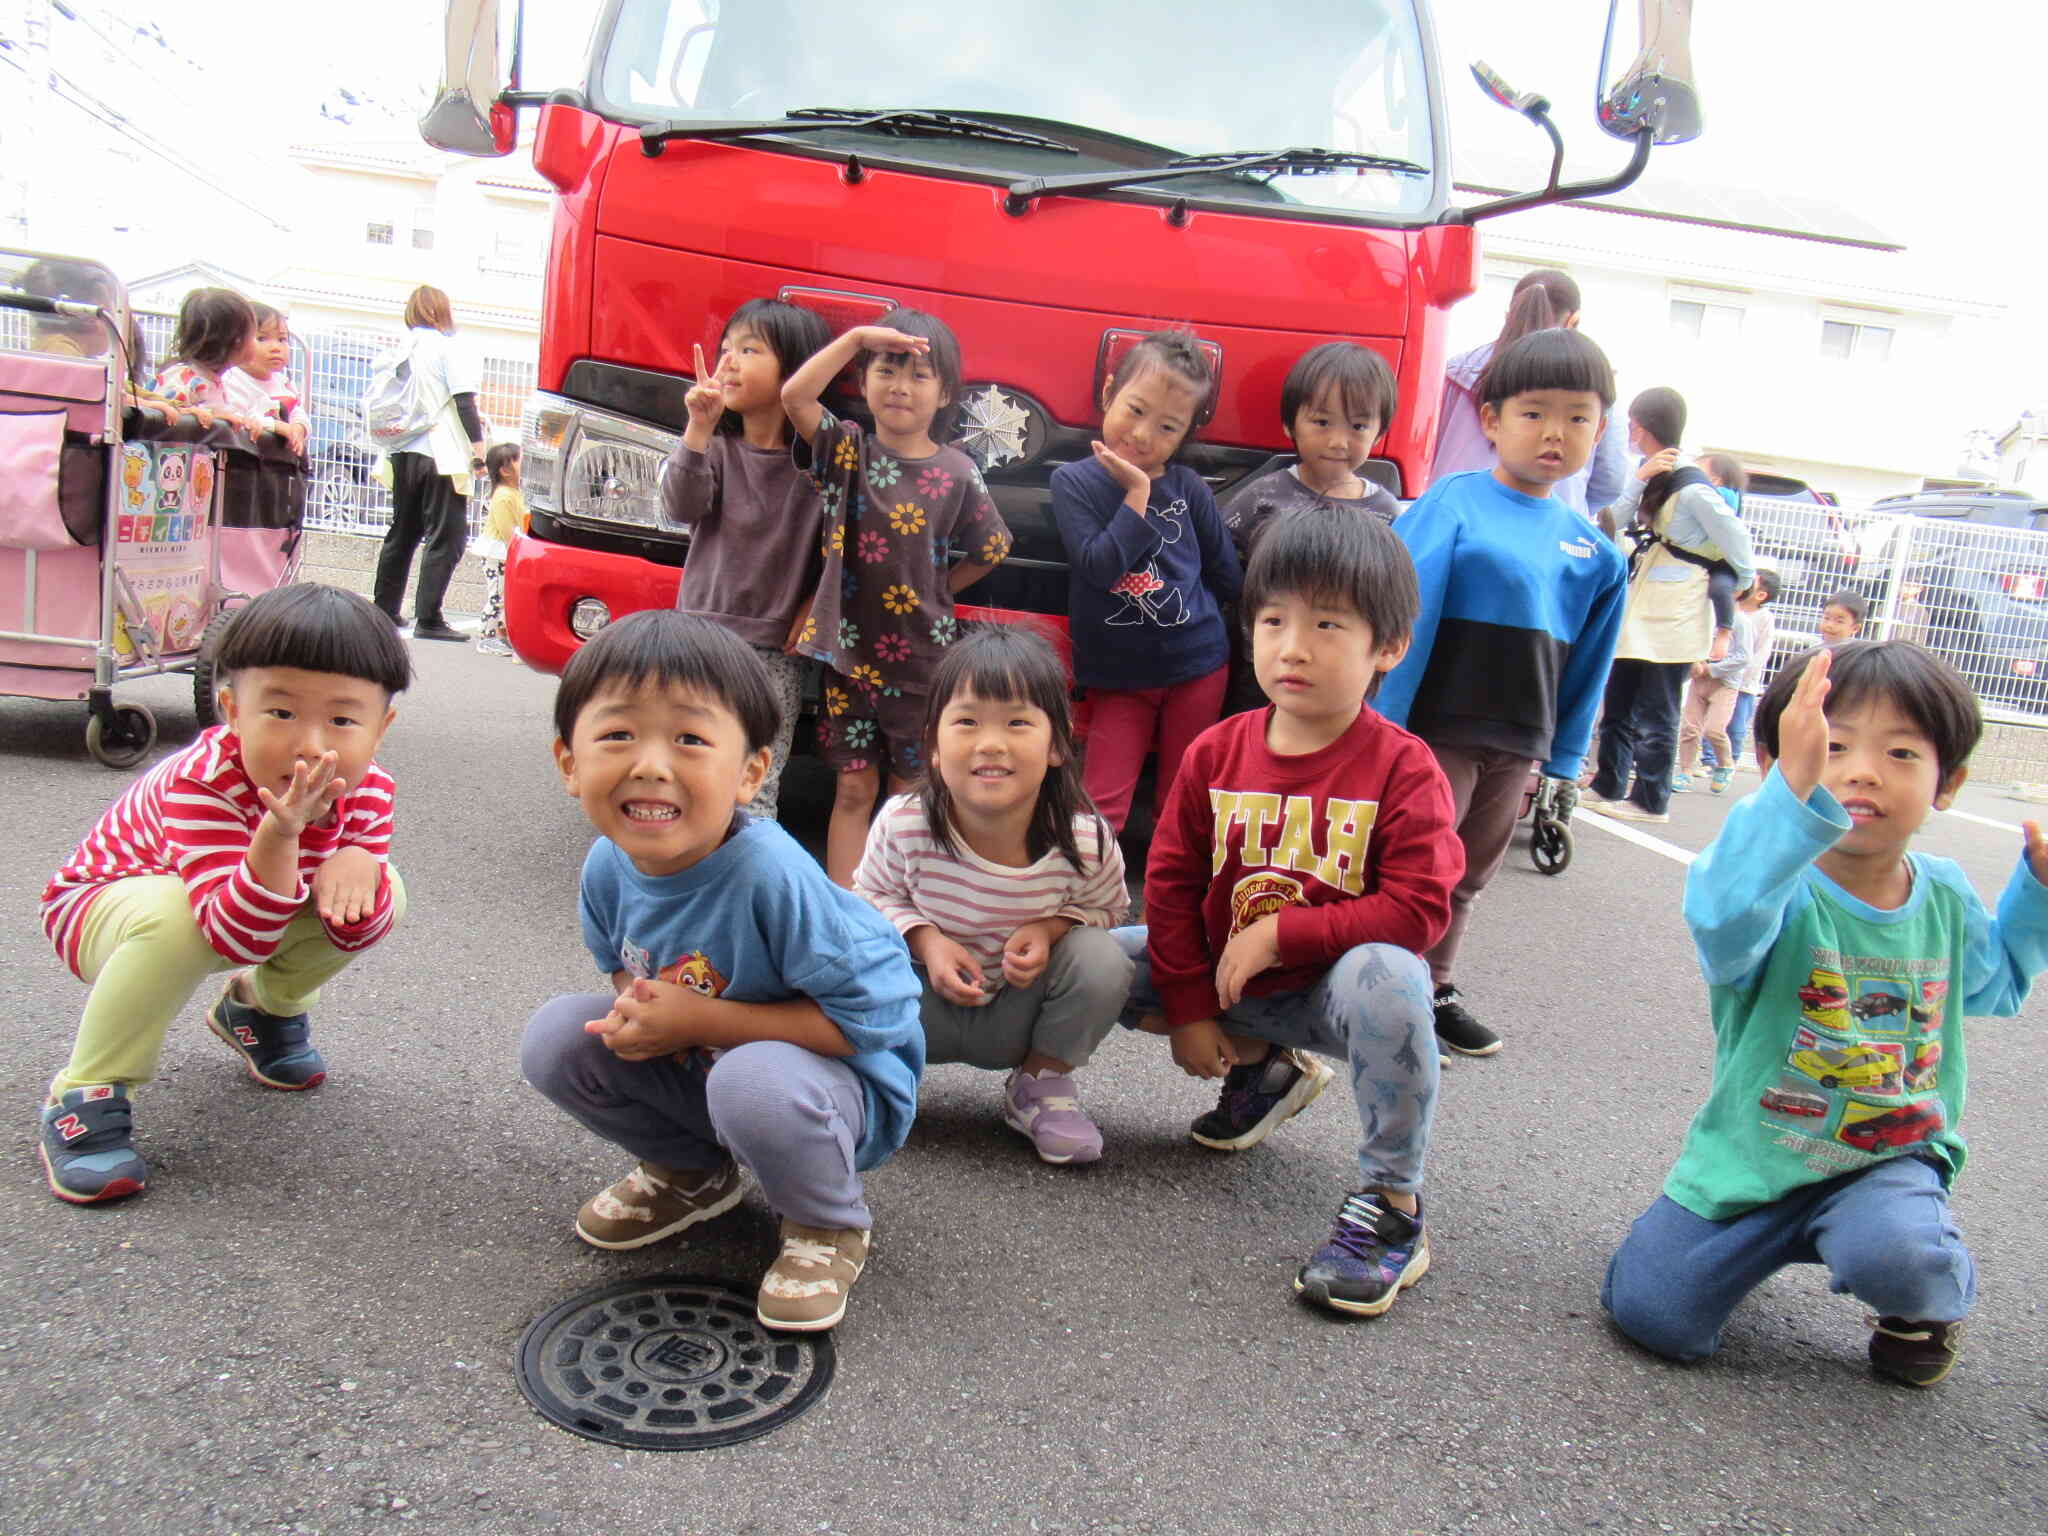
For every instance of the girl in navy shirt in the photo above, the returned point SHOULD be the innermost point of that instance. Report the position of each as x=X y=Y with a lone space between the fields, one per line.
x=1150 y=570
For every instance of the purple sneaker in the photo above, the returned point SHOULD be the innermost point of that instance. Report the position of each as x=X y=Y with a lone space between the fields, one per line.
x=1374 y=1252
x=1047 y=1108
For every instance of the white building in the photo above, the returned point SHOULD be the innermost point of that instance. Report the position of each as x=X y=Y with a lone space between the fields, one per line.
x=1802 y=340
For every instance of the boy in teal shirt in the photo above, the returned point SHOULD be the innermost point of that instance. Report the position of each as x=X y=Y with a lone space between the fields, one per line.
x=1839 y=968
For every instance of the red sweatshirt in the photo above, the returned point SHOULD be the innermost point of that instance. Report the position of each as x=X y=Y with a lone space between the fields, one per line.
x=1354 y=844
x=193 y=816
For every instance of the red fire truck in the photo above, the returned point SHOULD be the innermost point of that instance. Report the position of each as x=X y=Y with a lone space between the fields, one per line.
x=1062 y=178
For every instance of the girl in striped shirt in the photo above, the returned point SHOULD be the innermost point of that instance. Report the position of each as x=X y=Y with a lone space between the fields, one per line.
x=263 y=845
x=1004 y=881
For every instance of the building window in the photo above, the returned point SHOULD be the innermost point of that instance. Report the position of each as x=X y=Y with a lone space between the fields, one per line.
x=1843 y=341
x=1698 y=320
x=423 y=239
x=378 y=234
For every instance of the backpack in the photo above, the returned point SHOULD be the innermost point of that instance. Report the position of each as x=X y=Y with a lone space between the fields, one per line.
x=395 y=406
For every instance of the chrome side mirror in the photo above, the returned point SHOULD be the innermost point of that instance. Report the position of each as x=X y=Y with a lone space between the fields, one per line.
x=1656 y=92
x=467 y=116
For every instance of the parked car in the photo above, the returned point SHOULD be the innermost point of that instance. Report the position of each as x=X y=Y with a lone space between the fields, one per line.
x=1968 y=589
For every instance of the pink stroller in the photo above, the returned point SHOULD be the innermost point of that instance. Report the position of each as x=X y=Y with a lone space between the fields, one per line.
x=114 y=525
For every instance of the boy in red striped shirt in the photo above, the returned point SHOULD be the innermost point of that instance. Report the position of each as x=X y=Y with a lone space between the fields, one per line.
x=264 y=844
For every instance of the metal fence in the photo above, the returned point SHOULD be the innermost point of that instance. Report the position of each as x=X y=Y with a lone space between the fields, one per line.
x=1975 y=593
x=333 y=369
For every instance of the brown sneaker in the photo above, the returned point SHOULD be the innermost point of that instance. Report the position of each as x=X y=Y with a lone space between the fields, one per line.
x=652 y=1202
x=805 y=1288
x=1916 y=1353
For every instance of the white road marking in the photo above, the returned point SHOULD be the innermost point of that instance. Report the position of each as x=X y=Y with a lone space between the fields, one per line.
x=1985 y=821
x=1628 y=833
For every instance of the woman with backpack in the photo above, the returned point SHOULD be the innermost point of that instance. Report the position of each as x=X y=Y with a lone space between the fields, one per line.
x=421 y=410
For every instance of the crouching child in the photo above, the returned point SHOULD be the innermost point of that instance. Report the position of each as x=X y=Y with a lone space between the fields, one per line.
x=758 y=1014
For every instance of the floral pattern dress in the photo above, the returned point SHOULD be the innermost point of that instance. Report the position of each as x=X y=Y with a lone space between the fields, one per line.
x=883 y=613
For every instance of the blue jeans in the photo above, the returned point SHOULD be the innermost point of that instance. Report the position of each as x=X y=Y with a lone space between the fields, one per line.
x=1372 y=1011
x=790 y=1115
x=1738 y=727
x=1885 y=1235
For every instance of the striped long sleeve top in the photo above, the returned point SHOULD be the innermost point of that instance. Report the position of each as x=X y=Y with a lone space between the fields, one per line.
x=193 y=816
x=976 y=904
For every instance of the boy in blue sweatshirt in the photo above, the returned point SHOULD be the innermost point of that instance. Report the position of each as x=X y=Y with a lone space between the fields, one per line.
x=758 y=1015
x=1521 y=602
x=1839 y=968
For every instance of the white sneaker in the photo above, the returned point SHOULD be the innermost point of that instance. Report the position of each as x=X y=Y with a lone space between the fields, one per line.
x=1628 y=810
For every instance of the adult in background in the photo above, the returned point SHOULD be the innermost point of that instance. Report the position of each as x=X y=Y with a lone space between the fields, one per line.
x=1542 y=299
x=430 y=474
x=1668 y=623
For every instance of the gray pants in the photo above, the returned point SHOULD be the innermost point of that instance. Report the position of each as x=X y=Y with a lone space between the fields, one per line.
x=787 y=673
x=792 y=1116
x=1065 y=1014
x=1370 y=1010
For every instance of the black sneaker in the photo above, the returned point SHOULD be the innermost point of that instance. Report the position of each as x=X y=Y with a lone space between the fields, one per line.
x=1374 y=1253
x=438 y=631
x=1258 y=1099
x=1456 y=1027
x=278 y=1052
x=86 y=1145
x=1918 y=1354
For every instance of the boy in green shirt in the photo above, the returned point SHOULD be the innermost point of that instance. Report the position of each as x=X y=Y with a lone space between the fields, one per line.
x=1839 y=968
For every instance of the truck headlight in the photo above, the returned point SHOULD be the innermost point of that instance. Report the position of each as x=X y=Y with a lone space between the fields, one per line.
x=593 y=465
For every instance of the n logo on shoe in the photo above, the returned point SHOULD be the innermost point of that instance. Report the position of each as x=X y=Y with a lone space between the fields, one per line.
x=245 y=1034
x=70 y=1127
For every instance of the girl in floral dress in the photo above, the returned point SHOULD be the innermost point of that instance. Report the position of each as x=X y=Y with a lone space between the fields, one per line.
x=896 y=503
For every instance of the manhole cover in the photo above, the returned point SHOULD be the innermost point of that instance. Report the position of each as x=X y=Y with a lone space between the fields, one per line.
x=668 y=1363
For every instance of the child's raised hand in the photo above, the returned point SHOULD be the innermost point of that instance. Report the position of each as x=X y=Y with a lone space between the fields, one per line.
x=1028 y=950
x=706 y=401
x=889 y=341
x=1803 y=729
x=1250 y=951
x=1126 y=474
x=955 y=974
x=345 y=887
x=1200 y=1049
x=2037 y=850
x=307 y=799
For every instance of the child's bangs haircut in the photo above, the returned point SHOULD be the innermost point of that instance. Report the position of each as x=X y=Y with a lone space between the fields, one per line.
x=266 y=315
x=1001 y=663
x=1553 y=359
x=1363 y=382
x=664 y=648
x=1179 y=353
x=1920 y=685
x=1660 y=411
x=1851 y=602
x=790 y=331
x=213 y=325
x=944 y=358
x=1343 y=561
x=315 y=628
x=498 y=457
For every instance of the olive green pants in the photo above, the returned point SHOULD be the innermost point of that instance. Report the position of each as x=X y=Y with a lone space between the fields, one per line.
x=141 y=951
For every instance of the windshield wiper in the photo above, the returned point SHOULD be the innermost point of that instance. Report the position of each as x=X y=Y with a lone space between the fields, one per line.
x=1281 y=162
x=911 y=123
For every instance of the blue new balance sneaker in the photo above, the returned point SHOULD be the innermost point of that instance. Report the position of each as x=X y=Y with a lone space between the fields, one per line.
x=1374 y=1253
x=87 y=1145
x=278 y=1052
x=1257 y=1099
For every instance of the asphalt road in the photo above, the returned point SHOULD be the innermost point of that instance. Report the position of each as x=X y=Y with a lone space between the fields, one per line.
x=308 y=1322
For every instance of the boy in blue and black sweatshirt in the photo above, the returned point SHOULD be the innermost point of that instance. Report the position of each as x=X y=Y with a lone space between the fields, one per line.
x=1521 y=602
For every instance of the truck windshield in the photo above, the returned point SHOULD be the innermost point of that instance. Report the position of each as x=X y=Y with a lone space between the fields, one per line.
x=1130 y=84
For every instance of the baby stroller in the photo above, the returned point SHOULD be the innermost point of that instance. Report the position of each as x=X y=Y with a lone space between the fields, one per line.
x=1548 y=804
x=115 y=524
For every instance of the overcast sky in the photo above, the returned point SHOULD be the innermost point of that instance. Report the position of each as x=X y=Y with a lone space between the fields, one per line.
x=1920 y=116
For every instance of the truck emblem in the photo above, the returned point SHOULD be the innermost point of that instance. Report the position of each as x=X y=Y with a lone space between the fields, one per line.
x=993 y=427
